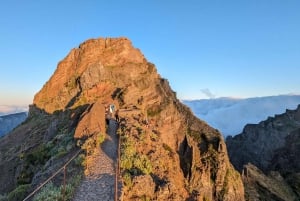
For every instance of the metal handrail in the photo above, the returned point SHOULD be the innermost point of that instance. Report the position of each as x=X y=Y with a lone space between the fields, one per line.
x=117 y=175
x=58 y=171
x=63 y=168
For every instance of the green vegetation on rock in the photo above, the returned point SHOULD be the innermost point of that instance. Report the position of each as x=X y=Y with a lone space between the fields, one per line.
x=132 y=161
x=19 y=193
x=52 y=192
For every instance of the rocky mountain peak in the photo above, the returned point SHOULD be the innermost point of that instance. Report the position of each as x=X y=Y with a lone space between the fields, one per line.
x=90 y=70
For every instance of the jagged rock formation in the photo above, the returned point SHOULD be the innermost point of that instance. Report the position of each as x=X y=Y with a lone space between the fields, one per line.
x=273 y=147
x=260 y=186
x=258 y=142
x=9 y=122
x=163 y=145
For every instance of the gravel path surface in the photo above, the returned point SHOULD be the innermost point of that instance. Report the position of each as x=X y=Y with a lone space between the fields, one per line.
x=99 y=183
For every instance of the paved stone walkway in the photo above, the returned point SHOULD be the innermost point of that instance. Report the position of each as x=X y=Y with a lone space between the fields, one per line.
x=99 y=182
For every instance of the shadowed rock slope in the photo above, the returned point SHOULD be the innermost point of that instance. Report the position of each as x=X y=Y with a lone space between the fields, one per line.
x=166 y=152
x=268 y=155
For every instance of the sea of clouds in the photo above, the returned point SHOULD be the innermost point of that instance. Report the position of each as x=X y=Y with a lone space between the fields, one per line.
x=230 y=115
x=11 y=109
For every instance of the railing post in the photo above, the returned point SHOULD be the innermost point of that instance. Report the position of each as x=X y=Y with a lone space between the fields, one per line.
x=117 y=171
x=116 y=181
x=64 y=190
x=58 y=171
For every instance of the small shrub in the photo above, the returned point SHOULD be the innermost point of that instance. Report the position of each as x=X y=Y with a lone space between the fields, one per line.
x=100 y=139
x=76 y=181
x=145 y=198
x=127 y=147
x=126 y=162
x=168 y=148
x=21 y=156
x=131 y=162
x=127 y=179
x=19 y=193
x=38 y=156
x=25 y=176
x=89 y=145
x=82 y=101
x=143 y=163
x=48 y=193
x=61 y=152
x=73 y=82
x=68 y=140
x=156 y=110
x=80 y=160
x=128 y=152
x=51 y=192
x=153 y=136
x=195 y=135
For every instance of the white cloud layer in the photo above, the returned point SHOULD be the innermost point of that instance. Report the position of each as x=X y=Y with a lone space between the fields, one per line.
x=11 y=109
x=230 y=115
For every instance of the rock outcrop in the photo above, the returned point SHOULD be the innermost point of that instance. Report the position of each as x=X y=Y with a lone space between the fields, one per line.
x=259 y=186
x=163 y=145
x=272 y=148
x=9 y=122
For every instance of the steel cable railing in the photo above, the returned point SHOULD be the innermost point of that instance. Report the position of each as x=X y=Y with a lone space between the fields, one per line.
x=63 y=168
x=117 y=175
x=52 y=176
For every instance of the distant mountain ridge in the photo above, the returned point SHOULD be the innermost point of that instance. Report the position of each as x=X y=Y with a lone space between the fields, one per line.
x=268 y=155
x=9 y=122
x=230 y=115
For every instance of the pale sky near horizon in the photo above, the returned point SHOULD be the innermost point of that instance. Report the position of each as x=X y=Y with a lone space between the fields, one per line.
x=204 y=48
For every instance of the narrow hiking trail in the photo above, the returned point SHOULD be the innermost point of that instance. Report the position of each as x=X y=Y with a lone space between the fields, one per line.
x=99 y=181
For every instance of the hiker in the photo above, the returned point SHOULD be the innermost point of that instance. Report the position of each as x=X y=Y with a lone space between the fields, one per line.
x=107 y=119
x=107 y=116
x=117 y=115
x=111 y=108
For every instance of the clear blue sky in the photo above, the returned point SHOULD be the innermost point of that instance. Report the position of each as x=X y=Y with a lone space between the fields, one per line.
x=227 y=48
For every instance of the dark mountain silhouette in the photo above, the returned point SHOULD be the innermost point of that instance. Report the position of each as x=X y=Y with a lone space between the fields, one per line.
x=267 y=154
